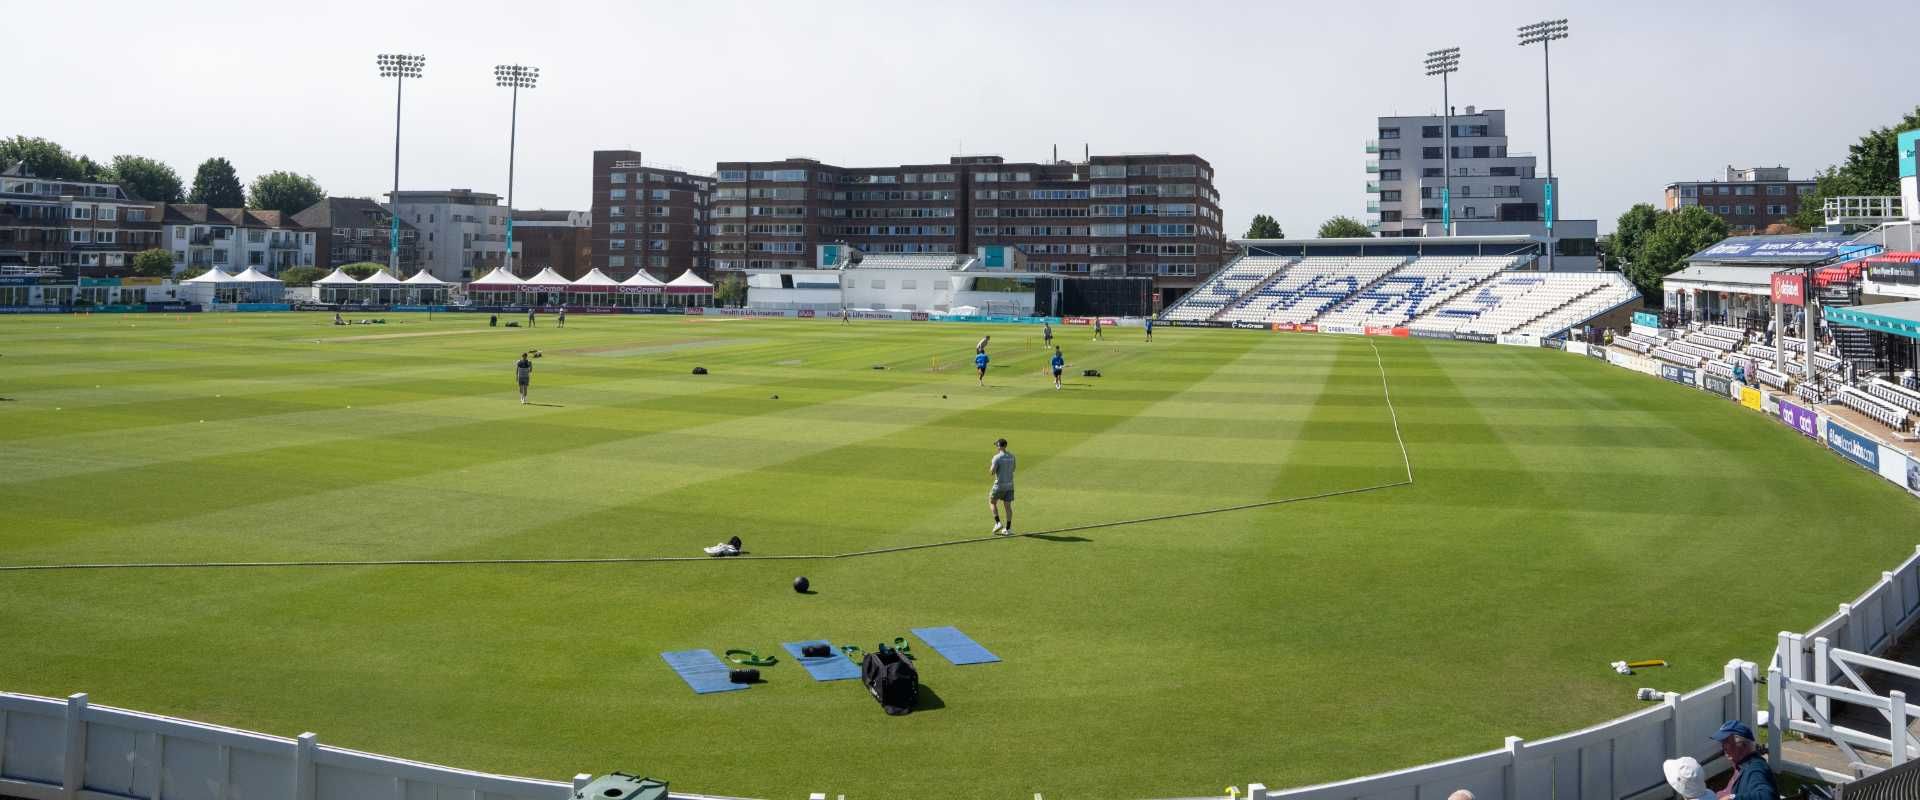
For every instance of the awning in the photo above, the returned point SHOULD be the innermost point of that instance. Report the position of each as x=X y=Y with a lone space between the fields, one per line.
x=595 y=281
x=548 y=279
x=336 y=277
x=1797 y=248
x=424 y=278
x=1897 y=319
x=380 y=278
x=251 y=275
x=1717 y=278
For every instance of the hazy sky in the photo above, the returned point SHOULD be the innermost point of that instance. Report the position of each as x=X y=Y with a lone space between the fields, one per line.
x=1280 y=96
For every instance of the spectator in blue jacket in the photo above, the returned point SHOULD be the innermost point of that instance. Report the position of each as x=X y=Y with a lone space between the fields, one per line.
x=1752 y=778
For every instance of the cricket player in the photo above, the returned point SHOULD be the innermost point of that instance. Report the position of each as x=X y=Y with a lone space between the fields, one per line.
x=1059 y=363
x=523 y=372
x=1002 y=493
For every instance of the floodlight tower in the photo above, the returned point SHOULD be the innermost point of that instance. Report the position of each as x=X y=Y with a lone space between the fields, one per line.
x=399 y=67
x=1443 y=63
x=1543 y=34
x=515 y=77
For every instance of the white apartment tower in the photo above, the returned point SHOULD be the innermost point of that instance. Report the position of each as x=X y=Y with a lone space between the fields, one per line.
x=1408 y=167
x=463 y=233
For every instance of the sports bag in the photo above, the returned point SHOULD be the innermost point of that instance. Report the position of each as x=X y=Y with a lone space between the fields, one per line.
x=892 y=680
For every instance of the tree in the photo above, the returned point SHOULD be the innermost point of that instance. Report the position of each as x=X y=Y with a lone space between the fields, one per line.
x=191 y=272
x=146 y=178
x=216 y=185
x=1630 y=232
x=43 y=158
x=286 y=192
x=1265 y=227
x=1344 y=227
x=362 y=270
x=301 y=276
x=153 y=264
x=731 y=291
x=1872 y=168
x=1675 y=236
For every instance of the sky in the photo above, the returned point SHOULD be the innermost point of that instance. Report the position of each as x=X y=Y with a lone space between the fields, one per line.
x=1280 y=96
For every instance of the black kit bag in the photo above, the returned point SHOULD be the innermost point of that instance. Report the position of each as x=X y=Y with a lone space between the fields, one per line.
x=892 y=680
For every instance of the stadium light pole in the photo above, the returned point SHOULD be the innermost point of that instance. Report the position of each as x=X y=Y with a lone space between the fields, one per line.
x=399 y=67
x=1443 y=63
x=515 y=77
x=1543 y=34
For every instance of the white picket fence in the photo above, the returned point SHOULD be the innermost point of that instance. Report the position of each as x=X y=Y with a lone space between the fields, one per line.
x=1813 y=671
x=54 y=749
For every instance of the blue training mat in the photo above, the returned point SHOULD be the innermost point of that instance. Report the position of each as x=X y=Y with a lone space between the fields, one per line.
x=702 y=670
x=955 y=646
x=832 y=667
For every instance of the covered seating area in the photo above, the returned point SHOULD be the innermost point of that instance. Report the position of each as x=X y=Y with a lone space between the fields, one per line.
x=381 y=289
x=595 y=289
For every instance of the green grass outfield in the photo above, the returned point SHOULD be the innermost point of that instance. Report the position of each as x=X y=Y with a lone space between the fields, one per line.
x=1565 y=514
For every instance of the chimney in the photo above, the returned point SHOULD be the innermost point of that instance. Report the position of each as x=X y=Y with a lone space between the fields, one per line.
x=1469 y=111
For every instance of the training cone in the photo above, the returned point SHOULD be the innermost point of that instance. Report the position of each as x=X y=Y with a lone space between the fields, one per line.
x=800 y=584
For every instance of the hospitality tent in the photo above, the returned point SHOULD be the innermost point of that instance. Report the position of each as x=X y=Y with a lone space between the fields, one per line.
x=496 y=288
x=641 y=290
x=546 y=288
x=380 y=288
x=689 y=290
x=593 y=289
x=336 y=287
x=424 y=289
x=259 y=287
x=215 y=286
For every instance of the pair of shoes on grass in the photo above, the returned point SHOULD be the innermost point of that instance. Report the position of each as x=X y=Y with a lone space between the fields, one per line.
x=1002 y=530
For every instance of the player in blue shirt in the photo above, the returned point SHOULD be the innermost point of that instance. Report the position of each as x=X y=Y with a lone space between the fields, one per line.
x=1059 y=363
x=1149 y=329
x=980 y=363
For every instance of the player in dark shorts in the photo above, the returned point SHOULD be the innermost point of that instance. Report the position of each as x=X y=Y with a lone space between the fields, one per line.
x=1001 y=468
x=1046 y=333
x=529 y=317
x=562 y=319
x=980 y=363
x=1149 y=329
x=1059 y=363
x=1096 y=330
x=523 y=372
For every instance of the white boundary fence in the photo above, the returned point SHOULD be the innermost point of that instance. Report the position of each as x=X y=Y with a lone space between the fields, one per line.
x=1813 y=671
x=69 y=749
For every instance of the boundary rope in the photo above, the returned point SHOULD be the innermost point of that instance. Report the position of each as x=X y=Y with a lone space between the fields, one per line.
x=443 y=562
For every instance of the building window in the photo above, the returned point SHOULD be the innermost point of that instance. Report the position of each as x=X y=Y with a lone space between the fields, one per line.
x=1429 y=152
x=1389 y=216
x=616 y=227
x=616 y=261
x=1390 y=195
x=1803 y=190
x=879 y=284
x=616 y=244
x=1389 y=154
x=107 y=213
x=1389 y=133
x=1432 y=172
x=618 y=177
x=1776 y=191
x=1429 y=131
x=1389 y=174
x=617 y=194
x=80 y=212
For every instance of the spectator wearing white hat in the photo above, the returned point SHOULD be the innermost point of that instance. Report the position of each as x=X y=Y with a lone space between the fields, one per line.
x=1684 y=775
x=1460 y=794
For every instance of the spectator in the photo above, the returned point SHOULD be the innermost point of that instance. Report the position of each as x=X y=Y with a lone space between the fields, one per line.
x=1461 y=794
x=1752 y=778
x=1686 y=779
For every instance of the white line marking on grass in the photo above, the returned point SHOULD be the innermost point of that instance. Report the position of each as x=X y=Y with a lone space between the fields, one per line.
x=376 y=336
x=1385 y=391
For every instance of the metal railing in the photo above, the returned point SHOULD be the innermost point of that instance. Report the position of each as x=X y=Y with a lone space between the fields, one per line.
x=1863 y=209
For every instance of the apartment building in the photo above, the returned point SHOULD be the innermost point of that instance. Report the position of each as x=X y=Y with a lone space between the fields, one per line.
x=352 y=229
x=232 y=239
x=1750 y=199
x=1409 y=165
x=561 y=240
x=647 y=217
x=1142 y=215
x=72 y=228
x=462 y=234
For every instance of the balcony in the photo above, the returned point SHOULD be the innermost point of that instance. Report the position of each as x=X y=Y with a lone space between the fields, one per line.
x=284 y=244
x=1863 y=210
x=1373 y=145
x=1373 y=206
x=1373 y=187
x=1373 y=168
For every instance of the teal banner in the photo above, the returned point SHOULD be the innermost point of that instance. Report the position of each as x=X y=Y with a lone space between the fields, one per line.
x=1549 y=206
x=1644 y=318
